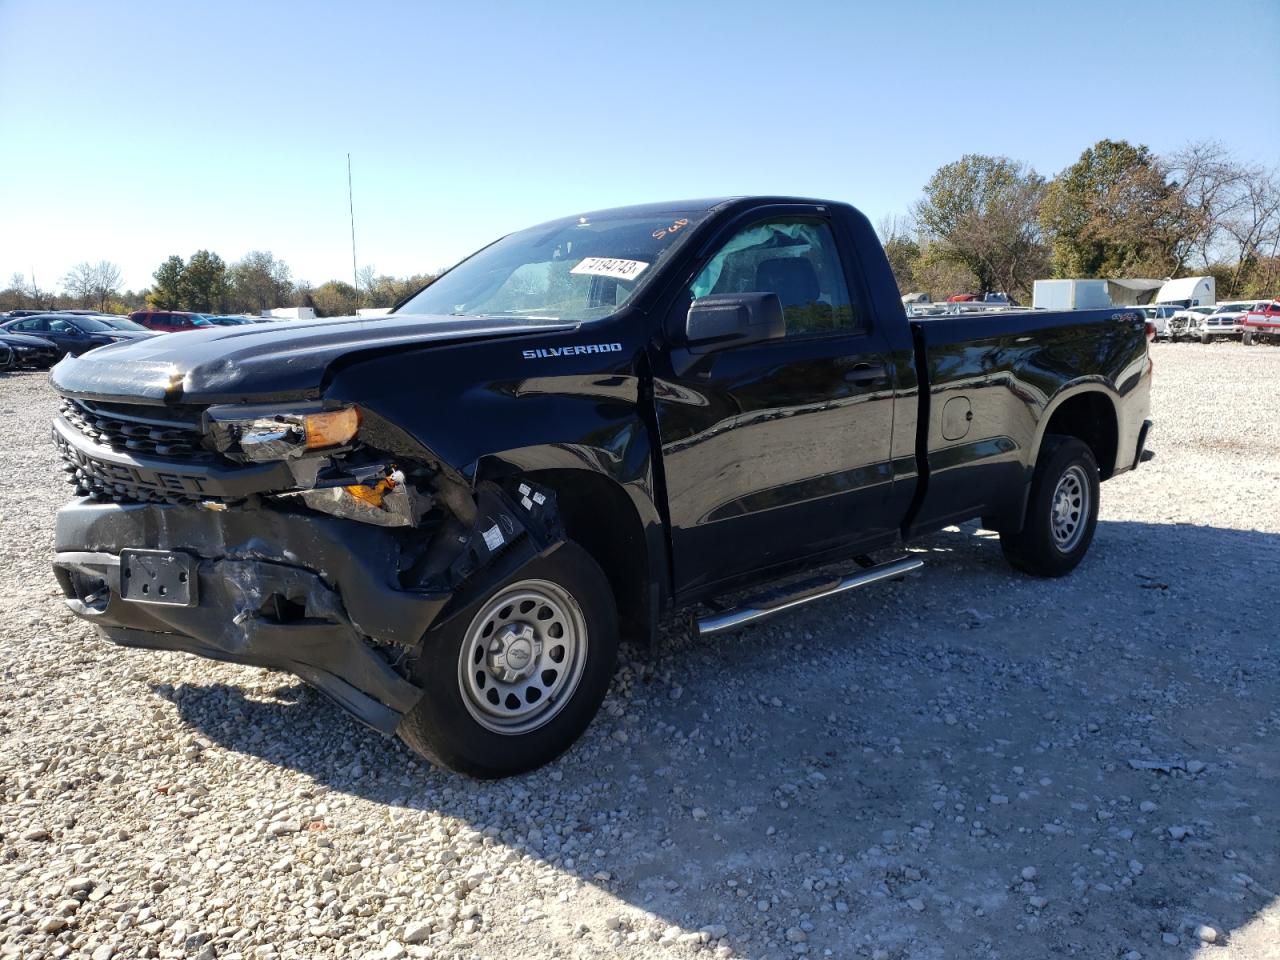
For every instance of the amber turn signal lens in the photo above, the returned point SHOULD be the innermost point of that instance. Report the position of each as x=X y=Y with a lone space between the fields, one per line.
x=372 y=495
x=331 y=429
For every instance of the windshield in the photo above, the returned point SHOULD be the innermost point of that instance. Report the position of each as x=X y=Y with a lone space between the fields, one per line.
x=92 y=324
x=569 y=270
x=122 y=323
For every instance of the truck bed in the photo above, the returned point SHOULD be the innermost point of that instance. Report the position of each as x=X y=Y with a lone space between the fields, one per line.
x=991 y=382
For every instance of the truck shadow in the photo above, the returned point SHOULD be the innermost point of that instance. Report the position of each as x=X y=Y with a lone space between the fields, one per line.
x=903 y=769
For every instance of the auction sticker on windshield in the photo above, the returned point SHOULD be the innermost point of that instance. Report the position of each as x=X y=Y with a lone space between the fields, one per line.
x=610 y=267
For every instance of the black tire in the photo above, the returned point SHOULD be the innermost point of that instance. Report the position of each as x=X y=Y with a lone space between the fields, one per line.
x=1035 y=549
x=1247 y=338
x=1206 y=338
x=442 y=727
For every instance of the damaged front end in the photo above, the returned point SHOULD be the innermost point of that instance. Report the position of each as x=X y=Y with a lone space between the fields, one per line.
x=314 y=539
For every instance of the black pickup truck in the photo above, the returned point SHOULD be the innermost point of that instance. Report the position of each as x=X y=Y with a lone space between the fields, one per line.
x=446 y=518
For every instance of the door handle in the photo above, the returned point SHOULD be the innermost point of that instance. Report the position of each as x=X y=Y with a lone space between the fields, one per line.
x=865 y=373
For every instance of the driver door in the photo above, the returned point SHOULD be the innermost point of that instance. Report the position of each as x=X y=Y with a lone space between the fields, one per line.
x=780 y=450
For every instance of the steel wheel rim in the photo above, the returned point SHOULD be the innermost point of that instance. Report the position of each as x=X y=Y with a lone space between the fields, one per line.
x=522 y=657
x=1069 y=509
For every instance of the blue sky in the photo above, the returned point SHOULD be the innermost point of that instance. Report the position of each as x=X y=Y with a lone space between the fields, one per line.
x=131 y=130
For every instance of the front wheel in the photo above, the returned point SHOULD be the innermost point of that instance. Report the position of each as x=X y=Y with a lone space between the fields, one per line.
x=1062 y=510
x=1205 y=338
x=1247 y=338
x=513 y=680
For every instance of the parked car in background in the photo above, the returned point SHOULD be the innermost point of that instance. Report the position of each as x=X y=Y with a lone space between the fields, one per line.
x=1225 y=320
x=119 y=322
x=1158 y=315
x=13 y=314
x=1183 y=321
x=32 y=353
x=72 y=333
x=170 y=321
x=1261 y=323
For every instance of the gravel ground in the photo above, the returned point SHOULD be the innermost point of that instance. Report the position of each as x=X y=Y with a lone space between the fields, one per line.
x=968 y=763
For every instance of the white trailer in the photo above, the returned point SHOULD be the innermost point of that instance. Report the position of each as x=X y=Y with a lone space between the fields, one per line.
x=1189 y=292
x=1070 y=295
x=290 y=313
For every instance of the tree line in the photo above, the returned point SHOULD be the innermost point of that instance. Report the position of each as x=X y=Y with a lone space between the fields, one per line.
x=205 y=283
x=982 y=224
x=986 y=224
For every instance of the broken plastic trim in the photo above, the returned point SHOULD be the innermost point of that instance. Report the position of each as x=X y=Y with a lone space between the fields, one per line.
x=388 y=502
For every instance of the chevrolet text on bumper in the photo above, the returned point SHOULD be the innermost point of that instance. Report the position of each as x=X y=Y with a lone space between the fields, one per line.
x=447 y=518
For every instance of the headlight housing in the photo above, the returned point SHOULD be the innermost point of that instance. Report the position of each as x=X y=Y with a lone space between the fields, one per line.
x=262 y=433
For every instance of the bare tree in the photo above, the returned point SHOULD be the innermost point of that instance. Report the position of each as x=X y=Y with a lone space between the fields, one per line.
x=14 y=296
x=366 y=278
x=79 y=283
x=1236 y=207
x=93 y=284
x=106 y=283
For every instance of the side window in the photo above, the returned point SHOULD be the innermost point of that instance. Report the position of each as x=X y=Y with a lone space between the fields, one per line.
x=27 y=325
x=796 y=259
x=61 y=326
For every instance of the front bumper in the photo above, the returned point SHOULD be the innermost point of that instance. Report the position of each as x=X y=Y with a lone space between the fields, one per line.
x=314 y=595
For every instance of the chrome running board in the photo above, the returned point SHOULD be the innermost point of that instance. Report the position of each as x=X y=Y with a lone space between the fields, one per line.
x=760 y=607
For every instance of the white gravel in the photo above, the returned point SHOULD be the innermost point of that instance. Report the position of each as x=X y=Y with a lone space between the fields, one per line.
x=933 y=768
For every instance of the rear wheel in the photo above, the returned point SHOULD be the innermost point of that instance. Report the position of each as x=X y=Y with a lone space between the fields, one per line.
x=512 y=681
x=1062 y=510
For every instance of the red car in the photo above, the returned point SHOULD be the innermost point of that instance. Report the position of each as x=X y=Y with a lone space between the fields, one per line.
x=1262 y=322
x=169 y=321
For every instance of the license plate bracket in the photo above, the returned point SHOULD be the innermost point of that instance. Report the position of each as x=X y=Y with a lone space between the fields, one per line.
x=158 y=576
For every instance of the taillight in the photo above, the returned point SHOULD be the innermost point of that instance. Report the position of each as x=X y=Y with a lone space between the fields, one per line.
x=1151 y=331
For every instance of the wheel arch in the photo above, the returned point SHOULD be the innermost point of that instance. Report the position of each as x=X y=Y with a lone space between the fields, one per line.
x=1089 y=413
x=616 y=522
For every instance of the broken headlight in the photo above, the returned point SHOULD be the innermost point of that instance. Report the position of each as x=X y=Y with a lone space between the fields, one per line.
x=258 y=434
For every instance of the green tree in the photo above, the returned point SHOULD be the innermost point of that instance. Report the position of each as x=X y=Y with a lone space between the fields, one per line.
x=260 y=282
x=902 y=251
x=203 y=285
x=334 y=299
x=982 y=213
x=1114 y=213
x=167 y=293
x=386 y=291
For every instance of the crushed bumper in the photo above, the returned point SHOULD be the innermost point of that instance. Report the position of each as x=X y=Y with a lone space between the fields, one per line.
x=313 y=595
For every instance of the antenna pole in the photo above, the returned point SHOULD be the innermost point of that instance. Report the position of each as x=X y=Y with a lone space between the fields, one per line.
x=351 y=205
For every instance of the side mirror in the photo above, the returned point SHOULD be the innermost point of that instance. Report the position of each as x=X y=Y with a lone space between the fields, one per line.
x=722 y=320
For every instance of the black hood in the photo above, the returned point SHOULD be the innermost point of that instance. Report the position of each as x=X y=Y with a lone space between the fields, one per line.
x=286 y=360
